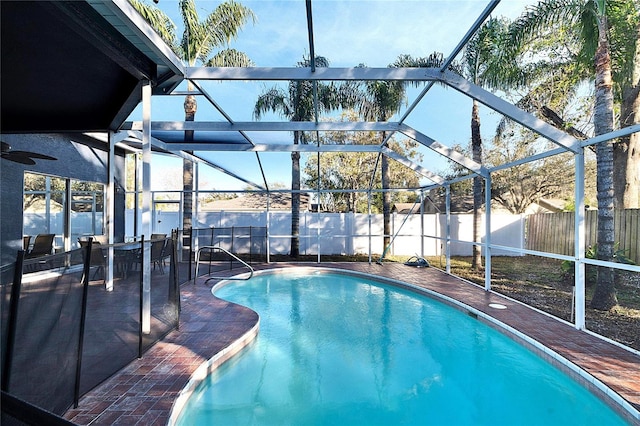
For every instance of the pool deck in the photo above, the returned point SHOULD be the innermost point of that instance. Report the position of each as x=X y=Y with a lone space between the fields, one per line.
x=143 y=393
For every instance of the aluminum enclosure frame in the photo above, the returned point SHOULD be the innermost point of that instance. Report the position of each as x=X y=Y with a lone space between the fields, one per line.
x=565 y=142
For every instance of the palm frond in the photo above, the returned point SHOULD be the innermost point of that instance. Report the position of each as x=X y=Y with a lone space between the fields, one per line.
x=381 y=100
x=274 y=100
x=329 y=97
x=624 y=23
x=193 y=36
x=434 y=60
x=158 y=20
x=229 y=58
x=544 y=16
x=320 y=61
x=225 y=22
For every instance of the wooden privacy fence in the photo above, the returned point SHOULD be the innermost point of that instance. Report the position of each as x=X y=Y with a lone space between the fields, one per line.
x=554 y=232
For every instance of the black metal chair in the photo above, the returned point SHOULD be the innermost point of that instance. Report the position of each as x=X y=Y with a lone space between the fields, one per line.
x=42 y=246
x=26 y=242
x=157 y=252
x=97 y=259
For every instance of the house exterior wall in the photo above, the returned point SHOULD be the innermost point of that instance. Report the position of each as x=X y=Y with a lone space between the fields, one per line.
x=75 y=160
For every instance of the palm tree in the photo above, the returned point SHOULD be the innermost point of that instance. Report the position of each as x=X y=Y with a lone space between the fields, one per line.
x=586 y=24
x=574 y=24
x=380 y=101
x=604 y=297
x=297 y=104
x=483 y=64
x=203 y=42
x=626 y=152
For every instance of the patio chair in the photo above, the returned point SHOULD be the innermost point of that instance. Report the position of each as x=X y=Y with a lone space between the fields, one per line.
x=157 y=252
x=42 y=246
x=97 y=259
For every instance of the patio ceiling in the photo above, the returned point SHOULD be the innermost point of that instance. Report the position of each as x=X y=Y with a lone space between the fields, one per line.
x=76 y=66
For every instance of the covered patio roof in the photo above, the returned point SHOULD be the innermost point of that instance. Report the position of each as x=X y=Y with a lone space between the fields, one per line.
x=77 y=66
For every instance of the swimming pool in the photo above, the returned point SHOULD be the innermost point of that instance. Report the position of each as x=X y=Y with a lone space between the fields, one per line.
x=341 y=349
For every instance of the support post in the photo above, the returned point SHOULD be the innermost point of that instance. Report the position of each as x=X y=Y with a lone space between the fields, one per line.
x=83 y=320
x=66 y=232
x=422 y=223
x=579 y=242
x=196 y=198
x=369 y=213
x=268 y=227
x=146 y=206
x=136 y=208
x=110 y=211
x=447 y=245
x=487 y=232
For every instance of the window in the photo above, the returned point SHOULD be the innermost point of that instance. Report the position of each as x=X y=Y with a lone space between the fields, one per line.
x=45 y=207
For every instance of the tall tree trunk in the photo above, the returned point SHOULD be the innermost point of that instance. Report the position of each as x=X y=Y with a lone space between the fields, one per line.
x=604 y=297
x=626 y=153
x=190 y=108
x=295 y=199
x=386 y=200
x=476 y=148
x=351 y=207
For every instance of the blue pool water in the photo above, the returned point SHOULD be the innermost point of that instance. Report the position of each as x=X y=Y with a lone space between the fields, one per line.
x=340 y=350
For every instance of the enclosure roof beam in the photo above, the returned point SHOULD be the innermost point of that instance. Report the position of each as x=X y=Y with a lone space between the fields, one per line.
x=516 y=114
x=413 y=166
x=122 y=136
x=135 y=135
x=444 y=150
x=390 y=74
x=228 y=118
x=612 y=135
x=263 y=126
x=320 y=74
x=245 y=147
x=529 y=159
x=474 y=28
x=312 y=50
x=302 y=126
x=223 y=170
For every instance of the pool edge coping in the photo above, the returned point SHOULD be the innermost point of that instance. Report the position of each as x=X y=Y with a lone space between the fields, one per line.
x=208 y=367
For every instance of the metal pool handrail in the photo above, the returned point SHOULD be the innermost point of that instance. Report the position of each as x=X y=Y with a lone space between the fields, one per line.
x=217 y=248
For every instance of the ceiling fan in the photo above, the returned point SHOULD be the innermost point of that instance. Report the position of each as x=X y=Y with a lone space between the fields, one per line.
x=22 y=157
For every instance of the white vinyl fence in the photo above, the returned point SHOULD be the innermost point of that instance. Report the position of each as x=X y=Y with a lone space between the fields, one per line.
x=348 y=233
x=326 y=233
x=82 y=224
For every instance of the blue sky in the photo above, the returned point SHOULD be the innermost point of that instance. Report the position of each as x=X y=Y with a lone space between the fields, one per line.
x=348 y=33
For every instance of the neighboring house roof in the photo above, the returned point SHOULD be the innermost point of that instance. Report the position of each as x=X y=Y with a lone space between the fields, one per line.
x=554 y=206
x=253 y=201
x=405 y=208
